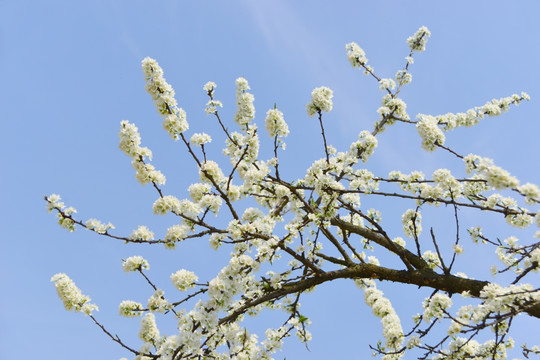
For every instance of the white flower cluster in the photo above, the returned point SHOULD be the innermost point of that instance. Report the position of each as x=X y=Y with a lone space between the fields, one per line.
x=355 y=55
x=183 y=279
x=471 y=117
x=418 y=41
x=519 y=220
x=135 y=263
x=495 y=176
x=382 y=308
x=403 y=77
x=174 y=118
x=412 y=223
x=174 y=234
x=507 y=254
x=321 y=100
x=532 y=260
x=130 y=141
x=254 y=222
x=149 y=332
x=531 y=193
x=98 y=226
x=362 y=179
x=274 y=338
x=200 y=139
x=475 y=234
x=392 y=108
x=499 y=299
x=429 y=132
x=448 y=184
x=432 y=259
x=166 y=204
x=435 y=306
x=197 y=191
x=201 y=324
x=387 y=84
x=243 y=147
x=464 y=348
x=54 y=203
x=399 y=241
x=495 y=200
x=210 y=172
x=517 y=257
x=364 y=147
x=211 y=202
x=158 y=303
x=245 y=111
x=142 y=233
x=209 y=87
x=414 y=183
x=189 y=209
x=458 y=249
x=130 y=308
x=496 y=300
x=319 y=176
x=71 y=295
x=275 y=124
x=211 y=106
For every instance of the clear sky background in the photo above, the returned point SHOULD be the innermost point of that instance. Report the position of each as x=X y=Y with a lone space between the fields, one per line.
x=71 y=72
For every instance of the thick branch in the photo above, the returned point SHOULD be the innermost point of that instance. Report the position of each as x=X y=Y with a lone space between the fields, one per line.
x=424 y=277
x=414 y=260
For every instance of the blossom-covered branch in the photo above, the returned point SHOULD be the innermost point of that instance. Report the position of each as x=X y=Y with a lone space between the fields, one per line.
x=312 y=230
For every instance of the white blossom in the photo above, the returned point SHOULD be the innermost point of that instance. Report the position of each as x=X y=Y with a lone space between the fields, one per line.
x=129 y=144
x=355 y=55
x=98 y=226
x=383 y=309
x=209 y=86
x=432 y=259
x=211 y=202
x=412 y=223
x=495 y=176
x=142 y=233
x=176 y=233
x=197 y=191
x=166 y=204
x=245 y=111
x=200 y=139
x=183 y=279
x=53 y=202
x=275 y=124
x=418 y=41
x=135 y=263
x=387 y=84
x=531 y=193
x=458 y=249
x=157 y=302
x=211 y=172
x=130 y=308
x=71 y=295
x=435 y=306
x=321 y=100
x=211 y=106
x=430 y=133
x=403 y=77
x=149 y=331
x=174 y=118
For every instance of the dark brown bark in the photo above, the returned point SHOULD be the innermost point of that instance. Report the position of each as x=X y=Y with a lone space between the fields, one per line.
x=423 y=278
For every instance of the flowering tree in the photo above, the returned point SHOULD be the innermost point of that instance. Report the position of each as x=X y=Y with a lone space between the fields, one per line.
x=290 y=235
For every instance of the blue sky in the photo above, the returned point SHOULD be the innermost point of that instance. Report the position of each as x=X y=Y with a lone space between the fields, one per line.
x=71 y=72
